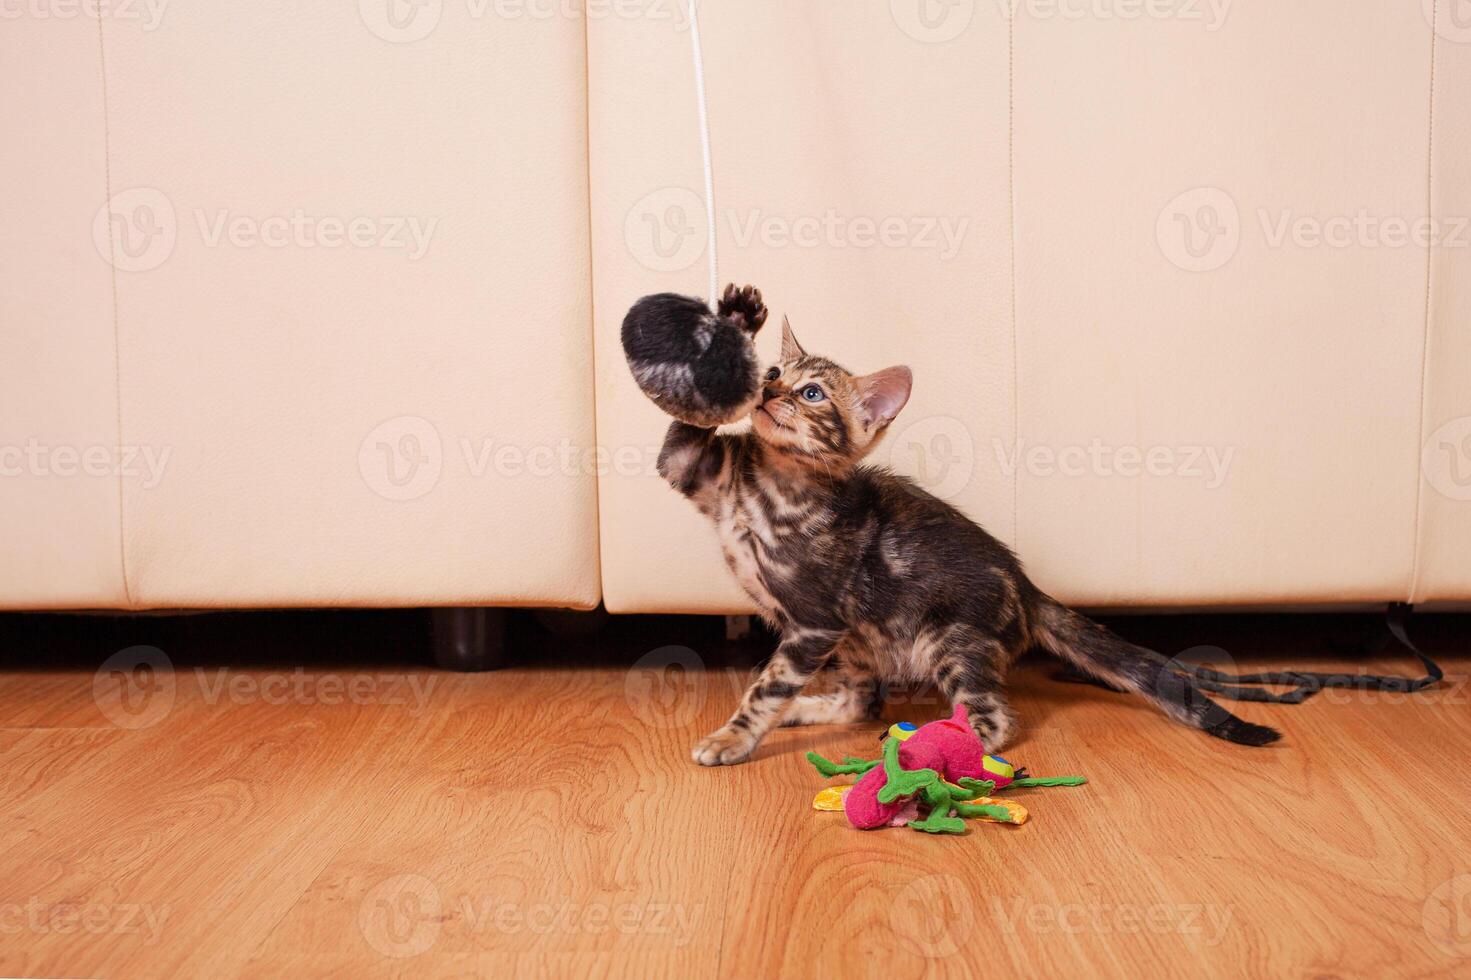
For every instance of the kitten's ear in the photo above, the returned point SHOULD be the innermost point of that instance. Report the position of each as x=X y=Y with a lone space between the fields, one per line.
x=882 y=394
x=790 y=349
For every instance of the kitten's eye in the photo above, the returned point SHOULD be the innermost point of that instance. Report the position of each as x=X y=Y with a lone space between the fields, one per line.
x=812 y=393
x=773 y=374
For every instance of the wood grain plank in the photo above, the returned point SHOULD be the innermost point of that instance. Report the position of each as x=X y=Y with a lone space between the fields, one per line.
x=554 y=832
x=183 y=836
x=549 y=822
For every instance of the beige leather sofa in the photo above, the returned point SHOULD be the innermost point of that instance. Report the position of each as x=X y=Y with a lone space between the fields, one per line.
x=318 y=304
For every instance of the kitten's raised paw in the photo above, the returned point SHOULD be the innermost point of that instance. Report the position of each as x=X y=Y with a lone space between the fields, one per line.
x=725 y=747
x=743 y=306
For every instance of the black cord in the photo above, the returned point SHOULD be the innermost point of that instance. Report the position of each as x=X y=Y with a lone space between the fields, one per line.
x=1305 y=684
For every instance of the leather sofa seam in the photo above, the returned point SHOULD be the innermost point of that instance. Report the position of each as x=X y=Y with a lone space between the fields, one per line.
x=117 y=372
x=1418 y=527
x=1011 y=264
x=592 y=304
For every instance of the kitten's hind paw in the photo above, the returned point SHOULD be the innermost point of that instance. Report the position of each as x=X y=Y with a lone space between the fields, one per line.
x=742 y=305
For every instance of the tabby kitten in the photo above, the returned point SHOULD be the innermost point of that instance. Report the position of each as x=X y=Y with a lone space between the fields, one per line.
x=867 y=575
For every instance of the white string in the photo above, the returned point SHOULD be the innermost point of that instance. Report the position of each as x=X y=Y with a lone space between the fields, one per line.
x=705 y=147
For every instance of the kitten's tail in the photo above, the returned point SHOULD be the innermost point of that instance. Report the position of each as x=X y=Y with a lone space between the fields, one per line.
x=1094 y=650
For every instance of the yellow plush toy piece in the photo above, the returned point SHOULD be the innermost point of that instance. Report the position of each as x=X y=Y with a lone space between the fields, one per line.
x=830 y=799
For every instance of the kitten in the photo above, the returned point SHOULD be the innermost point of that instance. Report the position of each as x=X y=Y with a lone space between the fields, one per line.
x=869 y=576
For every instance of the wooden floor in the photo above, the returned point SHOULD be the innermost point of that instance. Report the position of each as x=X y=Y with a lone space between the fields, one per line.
x=382 y=819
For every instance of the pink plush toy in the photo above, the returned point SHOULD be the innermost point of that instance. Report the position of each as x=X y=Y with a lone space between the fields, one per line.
x=941 y=767
x=950 y=747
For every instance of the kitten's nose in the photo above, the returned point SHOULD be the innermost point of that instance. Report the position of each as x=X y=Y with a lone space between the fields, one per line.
x=769 y=392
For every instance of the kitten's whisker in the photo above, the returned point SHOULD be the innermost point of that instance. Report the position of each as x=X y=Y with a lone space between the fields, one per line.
x=830 y=478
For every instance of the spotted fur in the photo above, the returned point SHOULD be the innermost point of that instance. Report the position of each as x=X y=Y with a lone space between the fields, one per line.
x=870 y=579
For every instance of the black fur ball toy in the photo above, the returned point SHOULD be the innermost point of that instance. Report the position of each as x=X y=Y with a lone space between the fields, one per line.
x=698 y=366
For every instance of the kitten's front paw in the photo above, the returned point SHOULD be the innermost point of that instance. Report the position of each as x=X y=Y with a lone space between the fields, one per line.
x=726 y=747
x=744 y=307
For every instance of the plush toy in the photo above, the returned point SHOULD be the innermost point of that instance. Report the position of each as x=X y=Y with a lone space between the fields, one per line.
x=698 y=366
x=940 y=769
